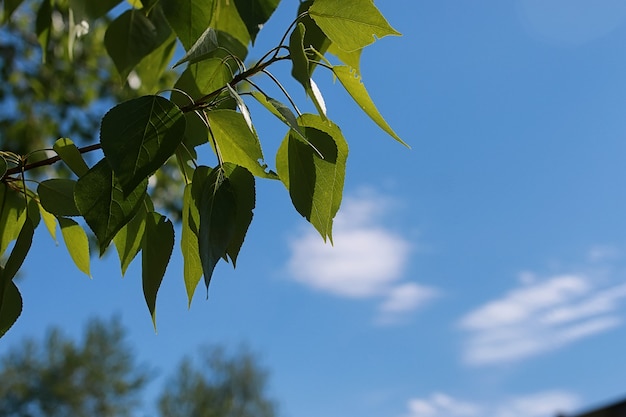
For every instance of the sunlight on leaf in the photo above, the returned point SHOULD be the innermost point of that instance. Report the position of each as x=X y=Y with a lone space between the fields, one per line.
x=350 y=25
x=351 y=81
x=77 y=243
x=315 y=184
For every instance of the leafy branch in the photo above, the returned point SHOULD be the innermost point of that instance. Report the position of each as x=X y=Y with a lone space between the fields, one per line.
x=139 y=136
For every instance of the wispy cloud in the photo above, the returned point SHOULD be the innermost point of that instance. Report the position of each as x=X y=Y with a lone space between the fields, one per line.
x=534 y=405
x=367 y=260
x=537 y=317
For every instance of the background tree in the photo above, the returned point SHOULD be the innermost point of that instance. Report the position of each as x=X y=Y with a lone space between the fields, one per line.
x=199 y=134
x=100 y=376
x=218 y=386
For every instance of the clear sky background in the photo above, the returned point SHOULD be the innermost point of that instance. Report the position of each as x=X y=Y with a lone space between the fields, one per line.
x=479 y=274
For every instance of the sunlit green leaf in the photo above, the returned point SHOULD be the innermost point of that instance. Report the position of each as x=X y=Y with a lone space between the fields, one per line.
x=236 y=143
x=133 y=36
x=12 y=215
x=217 y=220
x=128 y=240
x=139 y=135
x=20 y=250
x=10 y=303
x=69 y=153
x=226 y=20
x=351 y=25
x=101 y=201
x=192 y=265
x=202 y=78
x=189 y=18
x=77 y=243
x=315 y=184
x=351 y=59
x=201 y=49
x=50 y=221
x=57 y=196
x=255 y=13
x=151 y=68
x=242 y=184
x=351 y=81
x=156 y=251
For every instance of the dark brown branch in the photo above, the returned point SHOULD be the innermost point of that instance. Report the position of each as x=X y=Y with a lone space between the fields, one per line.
x=49 y=161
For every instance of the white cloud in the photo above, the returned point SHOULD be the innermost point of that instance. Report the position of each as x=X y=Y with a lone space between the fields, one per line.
x=538 y=317
x=540 y=404
x=366 y=260
x=401 y=299
x=442 y=405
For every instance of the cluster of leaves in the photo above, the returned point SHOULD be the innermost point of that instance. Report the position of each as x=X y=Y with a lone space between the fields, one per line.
x=205 y=106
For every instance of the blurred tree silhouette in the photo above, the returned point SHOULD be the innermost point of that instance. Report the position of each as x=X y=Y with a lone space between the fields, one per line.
x=100 y=377
x=219 y=386
x=59 y=377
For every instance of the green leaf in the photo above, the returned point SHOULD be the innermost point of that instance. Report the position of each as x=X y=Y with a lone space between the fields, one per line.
x=202 y=49
x=236 y=143
x=57 y=197
x=217 y=220
x=351 y=81
x=279 y=110
x=77 y=243
x=151 y=68
x=189 y=18
x=192 y=265
x=139 y=135
x=315 y=184
x=12 y=215
x=226 y=21
x=9 y=8
x=101 y=201
x=43 y=23
x=133 y=36
x=300 y=68
x=241 y=105
x=351 y=59
x=10 y=303
x=19 y=251
x=202 y=78
x=157 y=247
x=351 y=25
x=69 y=153
x=255 y=13
x=242 y=184
x=128 y=240
x=50 y=221
x=3 y=166
x=313 y=36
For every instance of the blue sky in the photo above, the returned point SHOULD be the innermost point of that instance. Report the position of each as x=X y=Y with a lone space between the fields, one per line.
x=479 y=274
